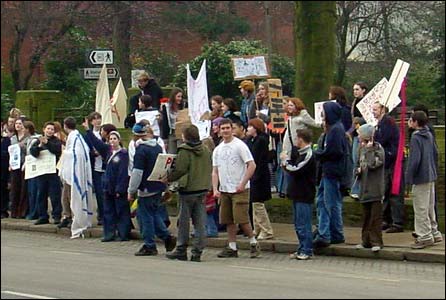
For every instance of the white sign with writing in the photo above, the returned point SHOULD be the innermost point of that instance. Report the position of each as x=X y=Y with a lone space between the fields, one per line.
x=14 y=156
x=44 y=164
x=318 y=109
x=250 y=67
x=204 y=128
x=164 y=163
x=151 y=116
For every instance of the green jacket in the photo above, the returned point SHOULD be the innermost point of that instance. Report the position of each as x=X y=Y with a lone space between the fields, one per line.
x=193 y=168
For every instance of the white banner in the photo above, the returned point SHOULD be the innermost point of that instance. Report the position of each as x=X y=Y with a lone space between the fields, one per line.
x=390 y=97
x=103 y=97
x=164 y=163
x=204 y=128
x=44 y=164
x=14 y=156
x=119 y=105
x=197 y=91
x=152 y=117
x=318 y=109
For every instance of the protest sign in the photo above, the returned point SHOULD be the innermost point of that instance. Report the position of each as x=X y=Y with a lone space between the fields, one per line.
x=390 y=97
x=318 y=109
x=164 y=163
x=14 y=156
x=197 y=90
x=250 y=67
x=44 y=164
x=277 y=113
x=152 y=117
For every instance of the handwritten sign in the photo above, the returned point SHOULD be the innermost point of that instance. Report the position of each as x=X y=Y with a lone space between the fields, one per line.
x=318 y=109
x=14 y=156
x=204 y=128
x=277 y=113
x=164 y=163
x=44 y=164
x=250 y=67
x=152 y=117
x=275 y=88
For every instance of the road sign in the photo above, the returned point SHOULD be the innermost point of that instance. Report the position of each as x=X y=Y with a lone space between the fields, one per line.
x=99 y=57
x=93 y=73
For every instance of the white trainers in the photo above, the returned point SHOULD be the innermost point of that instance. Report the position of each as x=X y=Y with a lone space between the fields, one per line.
x=359 y=246
x=376 y=248
x=303 y=256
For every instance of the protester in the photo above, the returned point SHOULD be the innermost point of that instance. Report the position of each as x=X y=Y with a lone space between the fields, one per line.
x=147 y=86
x=355 y=188
x=5 y=173
x=239 y=131
x=332 y=157
x=371 y=178
x=422 y=173
x=149 y=193
x=247 y=90
x=229 y=107
x=387 y=135
x=18 y=190
x=48 y=184
x=359 y=91
x=233 y=166
x=98 y=161
x=31 y=183
x=115 y=185
x=301 y=190
x=76 y=172
x=169 y=113
x=260 y=106
x=216 y=102
x=260 y=185
x=215 y=132
x=338 y=93
x=193 y=168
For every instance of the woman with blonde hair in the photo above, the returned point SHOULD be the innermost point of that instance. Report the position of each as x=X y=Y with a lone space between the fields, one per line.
x=299 y=118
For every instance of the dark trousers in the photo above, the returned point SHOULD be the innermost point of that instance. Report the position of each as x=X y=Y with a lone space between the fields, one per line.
x=33 y=210
x=116 y=217
x=18 y=194
x=371 y=226
x=99 y=192
x=393 y=205
x=4 y=192
x=49 y=185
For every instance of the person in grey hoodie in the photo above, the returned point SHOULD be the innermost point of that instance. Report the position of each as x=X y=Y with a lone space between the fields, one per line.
x=193 y=169
x=422 y=173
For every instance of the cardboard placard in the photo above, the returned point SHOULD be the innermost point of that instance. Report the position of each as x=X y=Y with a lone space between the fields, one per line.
x=250 y=67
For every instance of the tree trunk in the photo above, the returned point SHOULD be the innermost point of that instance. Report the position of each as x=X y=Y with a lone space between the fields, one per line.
x=315 y=41
x=121 y=40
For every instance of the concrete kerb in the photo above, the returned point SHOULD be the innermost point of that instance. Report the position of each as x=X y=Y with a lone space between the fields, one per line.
x=277 y=246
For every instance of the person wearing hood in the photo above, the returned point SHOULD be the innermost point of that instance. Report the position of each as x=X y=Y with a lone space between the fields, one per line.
x=422 y=173
x=149 y=193
x=193 y=169
x=332 y=157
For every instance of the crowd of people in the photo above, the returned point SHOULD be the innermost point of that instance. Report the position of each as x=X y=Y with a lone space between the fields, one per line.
x=224 y=180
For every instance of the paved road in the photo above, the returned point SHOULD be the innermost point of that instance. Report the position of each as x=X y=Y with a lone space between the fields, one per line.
x=36 y=265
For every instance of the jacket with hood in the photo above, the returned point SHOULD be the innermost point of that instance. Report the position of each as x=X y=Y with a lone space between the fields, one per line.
x=193 y=168
x=145 y=157
x=332 y=156
x=421 y=167
x=371 y=177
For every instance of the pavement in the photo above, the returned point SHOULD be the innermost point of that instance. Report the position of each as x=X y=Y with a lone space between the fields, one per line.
x=396 y=245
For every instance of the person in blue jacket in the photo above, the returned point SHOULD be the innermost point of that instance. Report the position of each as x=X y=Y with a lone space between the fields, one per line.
x=115 y=185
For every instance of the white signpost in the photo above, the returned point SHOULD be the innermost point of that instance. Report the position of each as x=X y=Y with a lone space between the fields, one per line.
x=93 y=73
x=100 y=57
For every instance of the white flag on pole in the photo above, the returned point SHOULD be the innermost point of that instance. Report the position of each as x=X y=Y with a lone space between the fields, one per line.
x=197 y=92
x=103 y=97
x=119 y=105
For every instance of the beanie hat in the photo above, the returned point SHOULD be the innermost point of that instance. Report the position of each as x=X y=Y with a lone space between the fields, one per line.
x=217 y=121
x=139 y=129
x=366 y=131
x=247 y=85
x=359 y=120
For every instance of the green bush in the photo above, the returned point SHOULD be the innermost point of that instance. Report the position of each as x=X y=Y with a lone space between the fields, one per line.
x=219 y=69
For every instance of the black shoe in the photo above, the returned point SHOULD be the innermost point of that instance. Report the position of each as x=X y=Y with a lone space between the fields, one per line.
x=196 y=258
x=180 y=255
x=108 y=239
x=394 y=229
x=41 y=221
x=170 y=243
x=385 y=226
x=254 y=250
x=228 y=252
x=320 y=244
x=146 y=251
x=119 y=239
x=337 y=242
x=65 y=223
x=56 y=221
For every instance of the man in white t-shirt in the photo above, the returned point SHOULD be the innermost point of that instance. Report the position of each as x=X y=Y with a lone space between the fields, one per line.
x=233 y=166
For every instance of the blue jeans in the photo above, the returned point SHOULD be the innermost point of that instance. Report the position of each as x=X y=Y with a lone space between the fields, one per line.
x=281 y=175
x=329 y=207
x=99 y=192
x=302 y=213
x=49 y=185
x=116 y=217
x=211 y=226
x=150 y=220
x=356 y=188
x=33 y=211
